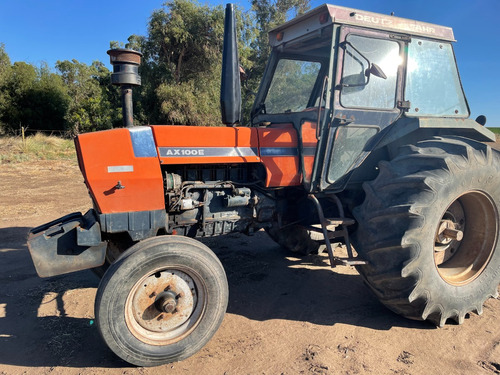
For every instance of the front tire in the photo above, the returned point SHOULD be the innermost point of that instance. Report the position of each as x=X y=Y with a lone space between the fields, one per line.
x=429 y=229
x=161 y=301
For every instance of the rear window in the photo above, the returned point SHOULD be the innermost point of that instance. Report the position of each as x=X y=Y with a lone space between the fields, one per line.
x=432 y=82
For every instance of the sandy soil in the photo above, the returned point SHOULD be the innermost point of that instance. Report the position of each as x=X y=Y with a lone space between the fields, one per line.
x=286 y=315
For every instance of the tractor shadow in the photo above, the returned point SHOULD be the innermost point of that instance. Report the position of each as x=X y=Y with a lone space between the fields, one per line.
x=264 y=284
x=268 y=282
x=30 y=337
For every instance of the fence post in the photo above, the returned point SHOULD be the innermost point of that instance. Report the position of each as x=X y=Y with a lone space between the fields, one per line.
x=24 y=138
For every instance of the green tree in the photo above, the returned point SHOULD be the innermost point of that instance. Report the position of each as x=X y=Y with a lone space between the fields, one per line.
x=91 y=98
x=79 y=98
x=32 y=97
x=20 y=80
x=4 y=74
x=182 y=63
x=46 y=103
x=4 y=64
x=181 y=52
x=268 y=15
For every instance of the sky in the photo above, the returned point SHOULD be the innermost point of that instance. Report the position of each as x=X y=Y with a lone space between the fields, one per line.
x=39 y=31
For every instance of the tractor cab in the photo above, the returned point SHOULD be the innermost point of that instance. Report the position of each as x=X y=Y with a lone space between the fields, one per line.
x=341 y=77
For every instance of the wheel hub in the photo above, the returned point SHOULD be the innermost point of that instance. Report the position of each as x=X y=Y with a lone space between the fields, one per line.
x=465 y=238
x=162 y=306
x=447 y=232
x=167 y=302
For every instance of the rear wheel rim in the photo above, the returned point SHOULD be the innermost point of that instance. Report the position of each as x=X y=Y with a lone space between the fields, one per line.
x=466 y=237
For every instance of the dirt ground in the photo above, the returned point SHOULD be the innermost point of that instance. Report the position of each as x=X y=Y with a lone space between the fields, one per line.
x=285 y=316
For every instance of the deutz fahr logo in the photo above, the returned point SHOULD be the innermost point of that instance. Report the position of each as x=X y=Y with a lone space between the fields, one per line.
x=185 y=152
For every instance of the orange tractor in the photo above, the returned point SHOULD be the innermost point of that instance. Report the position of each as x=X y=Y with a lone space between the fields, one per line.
x=359 y=134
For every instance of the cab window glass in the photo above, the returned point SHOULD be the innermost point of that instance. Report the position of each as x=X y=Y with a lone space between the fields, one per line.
x=291 y=86
x=432 y=82
x=360 y=91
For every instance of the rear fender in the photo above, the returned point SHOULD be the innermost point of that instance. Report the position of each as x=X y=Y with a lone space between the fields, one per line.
x=436 y=126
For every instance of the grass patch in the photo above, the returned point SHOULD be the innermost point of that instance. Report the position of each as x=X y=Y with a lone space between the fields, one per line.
x=36 y=147
x=497 y=132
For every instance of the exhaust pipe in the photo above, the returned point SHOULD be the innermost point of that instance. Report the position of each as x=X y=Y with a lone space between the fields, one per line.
x=126 y=75
x=230 y=90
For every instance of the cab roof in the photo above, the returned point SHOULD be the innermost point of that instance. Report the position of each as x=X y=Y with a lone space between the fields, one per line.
x=327 y=14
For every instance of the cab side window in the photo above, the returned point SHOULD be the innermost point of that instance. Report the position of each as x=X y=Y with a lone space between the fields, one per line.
x=359 y=87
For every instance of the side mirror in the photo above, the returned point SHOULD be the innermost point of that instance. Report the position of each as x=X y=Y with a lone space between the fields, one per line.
x=376 y=71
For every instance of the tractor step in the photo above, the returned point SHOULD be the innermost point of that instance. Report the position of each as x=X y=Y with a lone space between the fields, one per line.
x=339 y=221
x=328 y=228
x=332 y=234
x=349 y=262
x=335 y=222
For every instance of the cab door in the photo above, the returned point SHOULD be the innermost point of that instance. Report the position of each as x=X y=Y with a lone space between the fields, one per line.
x=287 y=115
x=366 y=100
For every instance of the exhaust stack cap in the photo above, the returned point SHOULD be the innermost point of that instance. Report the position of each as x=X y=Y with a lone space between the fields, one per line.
x=125 y=66
x=126 y=75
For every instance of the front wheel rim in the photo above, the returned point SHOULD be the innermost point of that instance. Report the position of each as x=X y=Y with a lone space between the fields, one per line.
x=466 y=238
x=165 y=305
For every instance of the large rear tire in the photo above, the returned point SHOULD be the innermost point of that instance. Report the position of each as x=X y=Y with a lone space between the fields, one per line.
x=429 y=229
x=161 y=301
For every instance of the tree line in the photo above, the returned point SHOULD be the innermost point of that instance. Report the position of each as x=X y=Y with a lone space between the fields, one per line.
x=180 y=73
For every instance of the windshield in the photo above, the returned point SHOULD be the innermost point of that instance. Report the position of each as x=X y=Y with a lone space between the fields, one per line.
x=292 y=86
